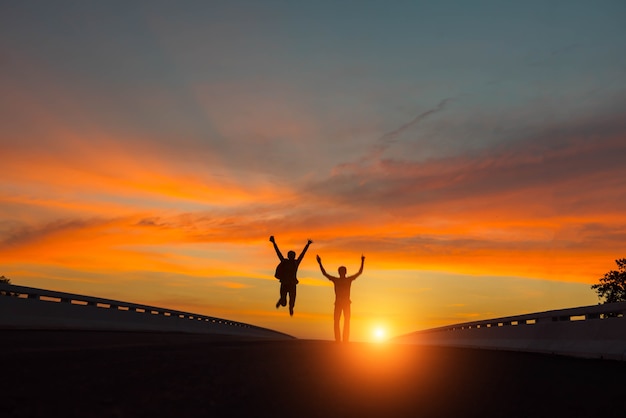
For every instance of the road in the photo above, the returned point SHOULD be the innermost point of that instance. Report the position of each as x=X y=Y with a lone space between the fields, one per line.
x=115 y=374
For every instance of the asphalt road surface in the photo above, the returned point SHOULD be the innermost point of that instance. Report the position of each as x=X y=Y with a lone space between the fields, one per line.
x=115 y=374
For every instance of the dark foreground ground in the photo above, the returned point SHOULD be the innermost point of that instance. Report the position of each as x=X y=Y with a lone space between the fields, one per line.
x=98 y=374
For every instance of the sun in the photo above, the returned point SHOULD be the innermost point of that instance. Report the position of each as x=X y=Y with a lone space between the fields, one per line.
x=379 y=334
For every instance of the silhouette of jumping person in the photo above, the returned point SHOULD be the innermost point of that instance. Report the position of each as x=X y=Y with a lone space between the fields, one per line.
x=342 y=297
x=286 y=272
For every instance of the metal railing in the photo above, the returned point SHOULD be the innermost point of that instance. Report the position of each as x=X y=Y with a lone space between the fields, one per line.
x=582 y=313
x=201 y=323
x=596 y=331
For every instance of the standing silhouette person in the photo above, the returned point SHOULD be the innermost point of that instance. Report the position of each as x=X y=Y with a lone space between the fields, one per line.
x=286 y=272
x=342 y=297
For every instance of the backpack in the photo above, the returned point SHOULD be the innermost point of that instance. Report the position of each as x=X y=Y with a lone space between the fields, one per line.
x=281 y=270
x=286 y=271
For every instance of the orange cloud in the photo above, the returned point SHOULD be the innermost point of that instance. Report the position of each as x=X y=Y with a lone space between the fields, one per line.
x=232 y=285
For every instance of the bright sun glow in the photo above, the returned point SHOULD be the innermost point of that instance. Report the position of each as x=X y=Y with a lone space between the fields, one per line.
x=379 y=334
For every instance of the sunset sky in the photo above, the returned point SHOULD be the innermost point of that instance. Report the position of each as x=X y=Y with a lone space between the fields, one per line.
x=473 y=151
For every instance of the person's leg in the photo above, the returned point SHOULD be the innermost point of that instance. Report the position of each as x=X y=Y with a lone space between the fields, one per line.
x=346 y=322
x=337 y=316
x=292 y=299
x=283 y=296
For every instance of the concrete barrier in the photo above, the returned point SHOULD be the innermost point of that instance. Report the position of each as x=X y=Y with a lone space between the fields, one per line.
x=24 y=307
x=596 y=331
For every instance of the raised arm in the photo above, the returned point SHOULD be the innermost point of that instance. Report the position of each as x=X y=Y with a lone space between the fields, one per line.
x=306 y=247
x=358 y=273
x=278 y=253
x=328 y=276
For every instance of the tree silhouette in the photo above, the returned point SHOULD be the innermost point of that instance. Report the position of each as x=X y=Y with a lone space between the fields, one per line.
x=612 y=286
x=7 y=281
